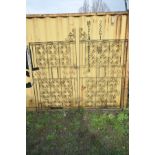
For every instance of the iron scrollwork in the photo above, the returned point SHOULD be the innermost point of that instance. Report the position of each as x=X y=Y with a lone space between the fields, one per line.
x=71 y=35
x=100 y=29
x=107 y=54
x=53 y=54
x=56 y=91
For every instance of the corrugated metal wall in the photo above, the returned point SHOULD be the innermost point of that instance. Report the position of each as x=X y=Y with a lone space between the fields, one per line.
x=56 y=28
x=81 y=30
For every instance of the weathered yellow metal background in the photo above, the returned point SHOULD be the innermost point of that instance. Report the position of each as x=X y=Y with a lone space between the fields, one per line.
x=78 y=60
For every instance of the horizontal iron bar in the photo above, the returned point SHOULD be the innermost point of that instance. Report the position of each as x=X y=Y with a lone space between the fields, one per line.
x=50 y=42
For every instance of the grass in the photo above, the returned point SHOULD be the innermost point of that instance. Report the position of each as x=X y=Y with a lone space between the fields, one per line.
x=77 y=132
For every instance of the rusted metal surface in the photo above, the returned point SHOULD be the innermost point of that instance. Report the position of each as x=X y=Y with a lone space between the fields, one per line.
x=78 y=60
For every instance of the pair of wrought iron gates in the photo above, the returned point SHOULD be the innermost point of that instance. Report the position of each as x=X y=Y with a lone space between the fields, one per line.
x=84 y=72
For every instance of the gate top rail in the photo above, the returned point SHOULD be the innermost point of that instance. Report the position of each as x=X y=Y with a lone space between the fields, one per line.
x=102 y=40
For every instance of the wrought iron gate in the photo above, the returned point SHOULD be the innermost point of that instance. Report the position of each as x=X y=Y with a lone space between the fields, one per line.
x=83 y=72
x=102 y=73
